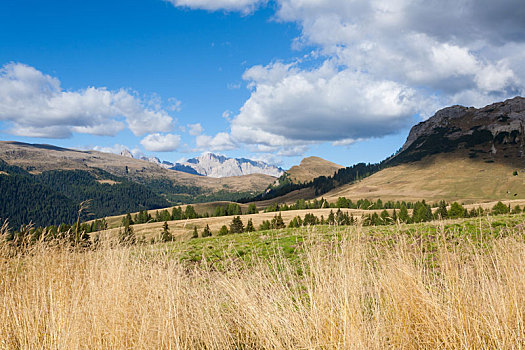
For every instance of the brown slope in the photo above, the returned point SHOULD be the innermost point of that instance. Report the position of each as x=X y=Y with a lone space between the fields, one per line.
x=312 y=167
x=452 y=177
x=38 y=158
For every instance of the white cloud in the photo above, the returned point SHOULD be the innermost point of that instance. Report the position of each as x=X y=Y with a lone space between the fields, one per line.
x=220 y=142
x=161 y=143
x=290 y=106
x=34 y=104
x=376 y=64
x=195 y=129
x=243 y=6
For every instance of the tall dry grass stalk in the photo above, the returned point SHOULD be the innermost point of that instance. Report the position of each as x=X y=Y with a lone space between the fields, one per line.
x=344 y=294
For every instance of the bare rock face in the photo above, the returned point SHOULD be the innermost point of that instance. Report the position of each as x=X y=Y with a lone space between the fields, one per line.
x=126 y=153
x=492 y=132
x=213 y=165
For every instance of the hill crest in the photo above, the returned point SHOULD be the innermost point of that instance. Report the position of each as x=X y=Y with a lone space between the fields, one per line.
x=311 y=168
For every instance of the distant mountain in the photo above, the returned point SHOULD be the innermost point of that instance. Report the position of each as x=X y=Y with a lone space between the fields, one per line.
x=174 y=186
x=214 y=165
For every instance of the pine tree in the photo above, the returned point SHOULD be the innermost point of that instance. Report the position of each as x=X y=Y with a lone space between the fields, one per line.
x=456 y=211
x=403 y=213
x=252 y=209
x=127 y=220
x=500 y=208
x=265 y=225
x=249 y=226
x=166 y=234
x=236 y=226
x=195 y=232
x=422 y=212
x=277 y=222
x=206 y=232
x=190 y=213
x=442 y=212
x=385 y=217
x=127 y=235
x=331 y=218
x=223 y=231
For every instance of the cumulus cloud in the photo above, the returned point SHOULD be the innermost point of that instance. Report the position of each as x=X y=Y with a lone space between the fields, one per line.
x=195 y=129
x=243 y=6
x=294 y=106
x=376 y=65
x=220 y=142
x=34 y=104
x=161 y=143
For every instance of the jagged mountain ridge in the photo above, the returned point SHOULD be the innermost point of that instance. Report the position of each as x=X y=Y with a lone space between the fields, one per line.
x=213 y=165
x=494 y=132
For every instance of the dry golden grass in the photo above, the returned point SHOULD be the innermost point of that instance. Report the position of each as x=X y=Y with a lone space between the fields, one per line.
x=183 y=229
x=312 y=167
x=348 y=292
x=444 y=176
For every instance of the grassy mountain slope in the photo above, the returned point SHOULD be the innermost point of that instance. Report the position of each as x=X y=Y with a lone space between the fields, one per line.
x=310 y=168
x=451 y=177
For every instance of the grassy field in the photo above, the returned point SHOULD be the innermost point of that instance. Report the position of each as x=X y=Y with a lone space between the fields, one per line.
x=183 y=229
x=446 y=284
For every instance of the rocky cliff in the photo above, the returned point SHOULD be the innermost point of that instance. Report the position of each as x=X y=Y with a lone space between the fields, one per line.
x=494 y=132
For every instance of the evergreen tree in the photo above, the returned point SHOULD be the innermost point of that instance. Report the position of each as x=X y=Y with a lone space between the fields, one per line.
x=500 y=208
x=422 y=212
x=265 y=225
x=293 y=223
x=195 y=232
x=223 y=231
x=166 y=234
x=277 y=222
x=403 y=213
x=190 y=213
x=331 y=218
x=127 y=235
x=176 y=213
x=249 y=226
x=441 y=212
x=236 y=226
x=127 y=220
x=310 y=220
x=206 y=232
x=456 y=211
x=516 y=210
x=252 y=209
x=385 y=217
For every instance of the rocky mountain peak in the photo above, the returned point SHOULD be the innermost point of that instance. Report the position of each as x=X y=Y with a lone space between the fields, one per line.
x=494 y=131
x=213 y=165
x=126 y=153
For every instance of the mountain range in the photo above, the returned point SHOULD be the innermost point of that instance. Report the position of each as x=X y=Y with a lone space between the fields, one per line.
x=217 y=166
x=460 y=154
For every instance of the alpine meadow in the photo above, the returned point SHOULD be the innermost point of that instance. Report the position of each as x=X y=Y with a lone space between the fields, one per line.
x=262 y=174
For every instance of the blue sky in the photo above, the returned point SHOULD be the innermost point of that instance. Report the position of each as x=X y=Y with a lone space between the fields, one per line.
x=272 y=80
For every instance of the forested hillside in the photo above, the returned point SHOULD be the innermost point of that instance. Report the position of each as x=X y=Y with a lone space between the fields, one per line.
x=53 y=197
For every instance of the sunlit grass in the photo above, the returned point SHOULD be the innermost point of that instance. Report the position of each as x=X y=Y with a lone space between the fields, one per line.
x=454 y=284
